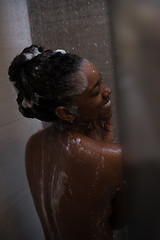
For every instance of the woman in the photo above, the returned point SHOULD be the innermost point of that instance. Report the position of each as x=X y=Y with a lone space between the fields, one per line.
x=73 y=167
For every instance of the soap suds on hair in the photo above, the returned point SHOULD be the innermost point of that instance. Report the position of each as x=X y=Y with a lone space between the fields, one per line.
x=60 y=50
x=27 y=104
x=35 y=53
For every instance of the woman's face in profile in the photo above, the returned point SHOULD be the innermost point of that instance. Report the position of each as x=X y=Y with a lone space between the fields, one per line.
x=94 y=102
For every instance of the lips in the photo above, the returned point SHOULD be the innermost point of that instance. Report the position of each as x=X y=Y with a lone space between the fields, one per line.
x=107 y=105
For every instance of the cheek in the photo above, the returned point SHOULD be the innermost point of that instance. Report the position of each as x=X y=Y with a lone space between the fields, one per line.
x=88 y=109
x=94 y=106
x=97 y=102
x=90 y=106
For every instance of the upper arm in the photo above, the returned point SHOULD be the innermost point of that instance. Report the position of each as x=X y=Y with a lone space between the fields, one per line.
x=29 y=149
x=119 y=215
x=32 y=154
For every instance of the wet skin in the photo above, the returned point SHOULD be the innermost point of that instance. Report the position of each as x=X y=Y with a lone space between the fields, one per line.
x=74 y=170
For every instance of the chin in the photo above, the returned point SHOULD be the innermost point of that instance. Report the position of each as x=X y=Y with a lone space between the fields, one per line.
x=107 y=116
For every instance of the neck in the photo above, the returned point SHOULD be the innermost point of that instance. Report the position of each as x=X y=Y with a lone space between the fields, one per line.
x=77 y=125
x=82 y=126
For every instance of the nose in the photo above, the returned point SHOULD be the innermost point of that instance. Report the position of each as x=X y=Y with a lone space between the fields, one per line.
x=106 y=91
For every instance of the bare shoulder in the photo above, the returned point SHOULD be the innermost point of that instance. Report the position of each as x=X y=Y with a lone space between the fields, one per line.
x=84 y=145
x=97 y=158
x=33 y=146
x=33 y=141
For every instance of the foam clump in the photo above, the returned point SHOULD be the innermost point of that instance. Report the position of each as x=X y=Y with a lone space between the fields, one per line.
x=78 y=140
x=60 y=50
x=27 y=104
x=29 y=56
x=67 y=148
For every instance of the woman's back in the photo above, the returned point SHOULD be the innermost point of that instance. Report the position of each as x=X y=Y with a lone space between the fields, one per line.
x=69 y=185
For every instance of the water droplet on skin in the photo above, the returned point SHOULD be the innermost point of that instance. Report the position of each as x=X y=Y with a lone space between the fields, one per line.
x=117 y=189
x=97 y=175
x=67 y=148
x=78 y=140
x=81 y=149
x=102 y=161
x=70 y=190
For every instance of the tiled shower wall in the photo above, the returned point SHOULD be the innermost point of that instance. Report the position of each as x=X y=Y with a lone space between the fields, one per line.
x=18 y=220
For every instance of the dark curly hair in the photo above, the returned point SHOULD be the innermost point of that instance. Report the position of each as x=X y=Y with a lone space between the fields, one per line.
x=45 y=80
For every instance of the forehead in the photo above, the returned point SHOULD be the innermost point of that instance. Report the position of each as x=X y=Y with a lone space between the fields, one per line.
x=92 y=74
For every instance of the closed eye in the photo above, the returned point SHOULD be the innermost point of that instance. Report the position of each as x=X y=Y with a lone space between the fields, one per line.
x=98 y=89
x=97 y=92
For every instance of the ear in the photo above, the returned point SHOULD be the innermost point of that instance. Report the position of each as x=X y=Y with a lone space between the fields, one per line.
x=64 y=114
